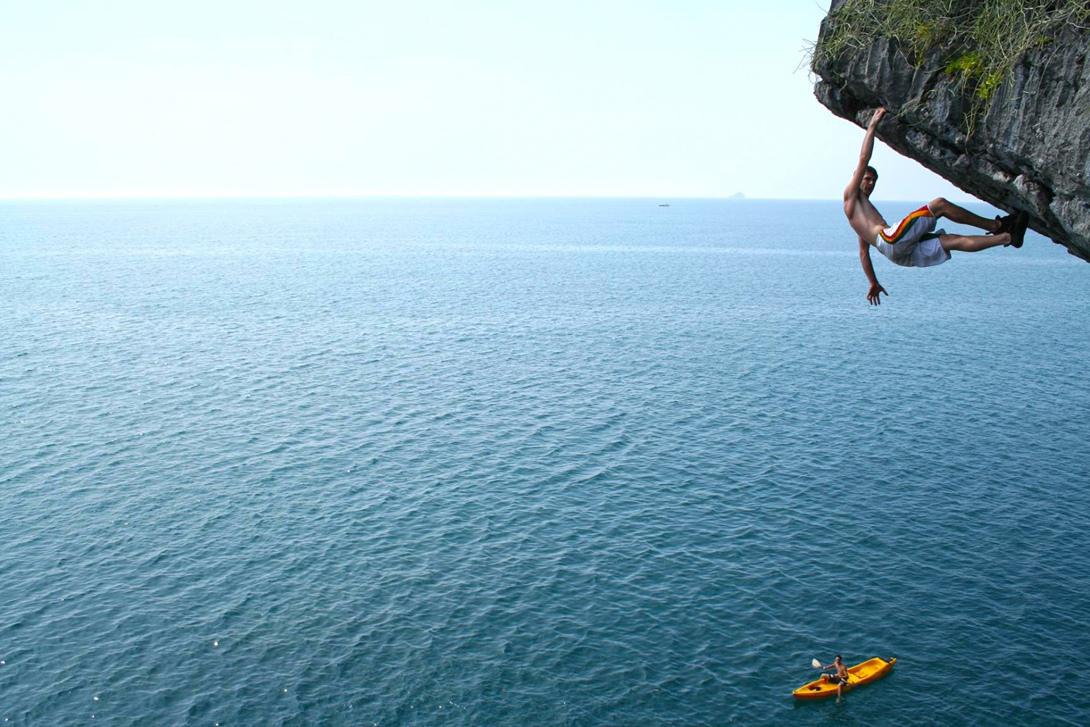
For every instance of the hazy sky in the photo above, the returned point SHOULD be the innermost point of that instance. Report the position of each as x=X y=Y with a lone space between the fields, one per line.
x=687 y=98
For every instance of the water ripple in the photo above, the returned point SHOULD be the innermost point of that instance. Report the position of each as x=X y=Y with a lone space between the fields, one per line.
x=398 y=467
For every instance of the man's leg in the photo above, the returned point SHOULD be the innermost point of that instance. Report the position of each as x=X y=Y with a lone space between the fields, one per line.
x=944 y=208
x=1014 y=236
x=973 y=243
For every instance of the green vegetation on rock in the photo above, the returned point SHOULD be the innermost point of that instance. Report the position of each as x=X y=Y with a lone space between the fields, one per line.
x=978 y=41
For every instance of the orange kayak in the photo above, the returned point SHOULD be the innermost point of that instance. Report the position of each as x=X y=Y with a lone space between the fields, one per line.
x=858 y=675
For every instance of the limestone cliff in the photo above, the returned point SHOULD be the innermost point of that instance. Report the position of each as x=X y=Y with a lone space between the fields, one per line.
x=1026 y=146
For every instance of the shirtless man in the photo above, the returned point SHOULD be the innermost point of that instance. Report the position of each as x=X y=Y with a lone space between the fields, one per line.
x=913 y=241
x=840 y=678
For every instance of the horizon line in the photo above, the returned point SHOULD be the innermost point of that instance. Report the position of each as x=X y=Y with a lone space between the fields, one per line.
x=738 y=197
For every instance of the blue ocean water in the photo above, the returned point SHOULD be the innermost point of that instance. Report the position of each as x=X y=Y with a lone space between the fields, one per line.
x=532 y=462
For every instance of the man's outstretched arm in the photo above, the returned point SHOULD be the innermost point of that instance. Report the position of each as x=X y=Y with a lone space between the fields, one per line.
x=868 y=267
x=864 y=154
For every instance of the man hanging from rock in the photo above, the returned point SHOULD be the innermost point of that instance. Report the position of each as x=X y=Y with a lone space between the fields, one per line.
x=914 y=242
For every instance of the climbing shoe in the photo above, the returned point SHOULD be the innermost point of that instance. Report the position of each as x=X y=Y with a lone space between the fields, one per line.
x=1018 y=228
x=1005 y=224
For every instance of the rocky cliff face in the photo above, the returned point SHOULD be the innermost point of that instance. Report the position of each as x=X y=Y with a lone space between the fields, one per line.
x=1029 y=149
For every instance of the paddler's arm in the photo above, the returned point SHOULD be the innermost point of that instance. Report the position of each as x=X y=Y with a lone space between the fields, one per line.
x=868 y=268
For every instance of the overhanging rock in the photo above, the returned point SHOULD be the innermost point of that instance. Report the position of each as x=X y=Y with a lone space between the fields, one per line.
x=1028 y=149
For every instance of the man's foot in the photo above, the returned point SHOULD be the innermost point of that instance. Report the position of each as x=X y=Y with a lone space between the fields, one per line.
x=1005 y=223
x=1018 y=228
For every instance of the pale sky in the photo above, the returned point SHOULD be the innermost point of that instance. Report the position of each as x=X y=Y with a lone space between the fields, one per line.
x=632 y=98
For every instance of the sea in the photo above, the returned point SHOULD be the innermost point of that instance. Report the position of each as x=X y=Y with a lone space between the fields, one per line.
x=496 y=462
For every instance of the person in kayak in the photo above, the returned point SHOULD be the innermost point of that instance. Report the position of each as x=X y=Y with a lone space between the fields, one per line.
x=914 y=242
x=840 y=678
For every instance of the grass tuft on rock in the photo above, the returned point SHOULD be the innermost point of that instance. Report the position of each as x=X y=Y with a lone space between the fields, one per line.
x=979 y=41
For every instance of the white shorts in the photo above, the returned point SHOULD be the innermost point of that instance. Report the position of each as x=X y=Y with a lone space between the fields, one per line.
x=913 y=241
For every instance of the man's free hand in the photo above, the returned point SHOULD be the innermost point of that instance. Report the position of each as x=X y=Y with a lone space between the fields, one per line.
x=873 y=294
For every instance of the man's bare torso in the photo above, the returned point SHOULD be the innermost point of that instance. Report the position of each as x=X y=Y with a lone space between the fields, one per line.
x=864 y=218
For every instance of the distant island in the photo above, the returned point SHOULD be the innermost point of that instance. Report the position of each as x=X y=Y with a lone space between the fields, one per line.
x=737 y=195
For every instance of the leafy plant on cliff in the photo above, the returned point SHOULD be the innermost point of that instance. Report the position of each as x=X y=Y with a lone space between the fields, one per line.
x=978 y=41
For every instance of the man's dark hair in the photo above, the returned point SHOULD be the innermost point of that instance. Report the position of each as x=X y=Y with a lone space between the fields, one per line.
x=838 y=657
x=872 y=170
